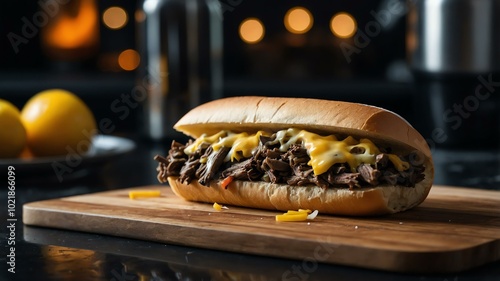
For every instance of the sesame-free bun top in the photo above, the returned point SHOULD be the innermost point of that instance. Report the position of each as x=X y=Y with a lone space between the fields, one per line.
x=253 y=113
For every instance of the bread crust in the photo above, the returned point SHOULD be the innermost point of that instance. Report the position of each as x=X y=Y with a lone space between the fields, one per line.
x=253 y=113
x=371 y=201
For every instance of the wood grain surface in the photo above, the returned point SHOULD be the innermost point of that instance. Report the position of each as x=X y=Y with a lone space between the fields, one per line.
x=453 y=230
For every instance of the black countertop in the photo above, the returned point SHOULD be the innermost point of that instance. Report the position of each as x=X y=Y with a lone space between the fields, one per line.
x=50 y=254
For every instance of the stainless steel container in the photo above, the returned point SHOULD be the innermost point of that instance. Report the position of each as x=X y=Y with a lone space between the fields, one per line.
x=180 y=42
x=454 y=52
x=450 y=36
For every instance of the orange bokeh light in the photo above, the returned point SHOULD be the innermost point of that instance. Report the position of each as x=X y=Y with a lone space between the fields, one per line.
x=129 y=59
x=343 y=25
x=251 y=30
x=115 y=17
x=70 y=30
x=298 y=20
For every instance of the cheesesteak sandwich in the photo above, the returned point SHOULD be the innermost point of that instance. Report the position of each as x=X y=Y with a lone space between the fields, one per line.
x=295 y=153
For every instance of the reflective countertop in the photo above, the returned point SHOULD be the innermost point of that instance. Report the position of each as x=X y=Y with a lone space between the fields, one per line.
x=51 y=254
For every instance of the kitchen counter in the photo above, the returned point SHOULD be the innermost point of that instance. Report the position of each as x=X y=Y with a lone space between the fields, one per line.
x=50 y=254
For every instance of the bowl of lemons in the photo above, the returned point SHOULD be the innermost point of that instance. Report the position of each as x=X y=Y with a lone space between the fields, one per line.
x=55 y=131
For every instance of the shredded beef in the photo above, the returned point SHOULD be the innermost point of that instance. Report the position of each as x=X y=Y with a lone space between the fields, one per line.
x=188 y=171
x=273 y=153
x=337 y=169
x=349 y=179
x=302 y=175
x=172 y=164
x=297 y=155
x=381 y=161
x=302 y=170
x=369 y=174
x=270 y=164
x=206 y=171
x=390 y=176
x=274 y=164
x=238 y=171
x=245 y=170
x=161 y=169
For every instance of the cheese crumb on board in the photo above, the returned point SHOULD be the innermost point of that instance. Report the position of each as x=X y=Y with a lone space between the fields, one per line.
x=134 y=194
x=219 y=207
x=300 y=215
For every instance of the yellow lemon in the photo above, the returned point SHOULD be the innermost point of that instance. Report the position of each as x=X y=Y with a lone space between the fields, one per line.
x=12 y=132
x=58 y=122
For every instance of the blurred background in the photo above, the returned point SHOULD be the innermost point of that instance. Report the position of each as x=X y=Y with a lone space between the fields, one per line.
x=284 y=48
x=142 y=64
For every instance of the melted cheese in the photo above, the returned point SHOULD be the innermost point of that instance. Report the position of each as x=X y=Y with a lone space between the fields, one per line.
x=324 y=151
x=398 y=163
x=204 y=139
x=242 y=145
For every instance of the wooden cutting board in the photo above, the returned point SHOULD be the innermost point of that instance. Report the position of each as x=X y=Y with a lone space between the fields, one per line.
x=453 y=230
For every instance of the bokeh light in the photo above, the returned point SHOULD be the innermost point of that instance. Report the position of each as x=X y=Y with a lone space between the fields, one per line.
x=298 y=20
x=251 y=30
x=343 y=25
x=129 y=59
x=115 y=17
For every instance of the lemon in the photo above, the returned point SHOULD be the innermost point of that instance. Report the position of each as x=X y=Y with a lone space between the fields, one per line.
x=58 y=122
x=12 y=132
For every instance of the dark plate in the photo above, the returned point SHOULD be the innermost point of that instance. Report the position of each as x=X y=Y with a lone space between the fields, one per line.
x=104 y=149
